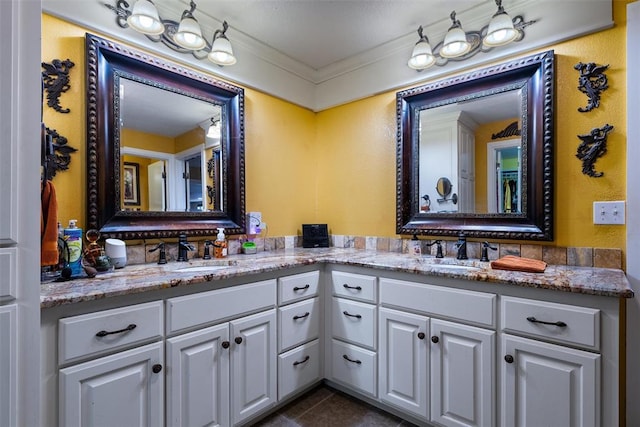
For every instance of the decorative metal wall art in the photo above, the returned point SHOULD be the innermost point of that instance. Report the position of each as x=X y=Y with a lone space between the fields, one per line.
x=55 y=80
x=57 y=154
x=592 y=147
x=592 y=82
x=511 y=130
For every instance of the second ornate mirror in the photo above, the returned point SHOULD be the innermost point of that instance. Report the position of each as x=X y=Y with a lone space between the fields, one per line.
x=165 y=147
x=490 y=133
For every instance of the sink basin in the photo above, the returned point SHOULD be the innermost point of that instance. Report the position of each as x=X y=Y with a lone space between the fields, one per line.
x=455 y=267
x=201 y=268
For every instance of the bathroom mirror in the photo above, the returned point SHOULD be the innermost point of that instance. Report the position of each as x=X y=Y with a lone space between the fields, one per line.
x=165 y=147
x=490 y=132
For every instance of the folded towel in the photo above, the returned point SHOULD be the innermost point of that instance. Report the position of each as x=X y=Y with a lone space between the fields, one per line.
x=49 y=226
x=516 y=263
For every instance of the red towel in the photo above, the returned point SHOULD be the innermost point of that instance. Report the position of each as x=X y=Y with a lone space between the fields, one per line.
x=49 y=226
x=516 y=263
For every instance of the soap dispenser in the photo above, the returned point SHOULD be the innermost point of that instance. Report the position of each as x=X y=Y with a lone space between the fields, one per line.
x=220 y=245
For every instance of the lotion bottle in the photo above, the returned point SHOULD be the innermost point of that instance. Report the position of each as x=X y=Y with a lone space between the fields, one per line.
x=220 y=245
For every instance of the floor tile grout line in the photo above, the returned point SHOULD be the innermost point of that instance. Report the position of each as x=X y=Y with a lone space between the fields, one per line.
x=332 y=393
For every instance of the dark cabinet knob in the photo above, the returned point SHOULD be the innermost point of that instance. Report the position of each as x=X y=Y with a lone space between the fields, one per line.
x=156 y=368
x=238 y=340
x=421 y=335
x=225 y=344
x=508 y=358
x=435 y=339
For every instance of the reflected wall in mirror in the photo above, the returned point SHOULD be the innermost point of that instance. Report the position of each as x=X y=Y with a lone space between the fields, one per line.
x=185 y=132
x=501 y=182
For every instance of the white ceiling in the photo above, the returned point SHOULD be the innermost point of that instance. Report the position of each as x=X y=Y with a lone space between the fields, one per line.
x=319 y=33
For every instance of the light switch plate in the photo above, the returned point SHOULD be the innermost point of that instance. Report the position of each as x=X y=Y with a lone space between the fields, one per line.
x=609 y=212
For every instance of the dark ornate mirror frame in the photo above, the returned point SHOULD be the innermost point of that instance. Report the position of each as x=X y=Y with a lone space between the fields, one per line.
x=535 y=75
x=106 y=60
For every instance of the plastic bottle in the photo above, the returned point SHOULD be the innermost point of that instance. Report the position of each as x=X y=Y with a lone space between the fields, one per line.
x=220 y=245
x=415 y=246
x=73 y=238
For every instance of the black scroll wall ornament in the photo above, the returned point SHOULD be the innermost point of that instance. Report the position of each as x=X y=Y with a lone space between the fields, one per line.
x=511 y=130
x=592 y=82
x=592 y=147
x=55 y=80
x=57 y=154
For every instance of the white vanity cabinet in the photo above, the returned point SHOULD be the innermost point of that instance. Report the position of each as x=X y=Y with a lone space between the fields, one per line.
x=438 y=370
x=224 y=374
x=352 y=335
x=123 y=388
x=299 y=328
x=545 y=383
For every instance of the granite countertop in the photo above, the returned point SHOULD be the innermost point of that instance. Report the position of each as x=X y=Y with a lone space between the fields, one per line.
x=149 y=277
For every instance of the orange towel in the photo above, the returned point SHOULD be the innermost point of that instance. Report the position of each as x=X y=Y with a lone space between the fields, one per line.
x=516 y=263
x=49 y=226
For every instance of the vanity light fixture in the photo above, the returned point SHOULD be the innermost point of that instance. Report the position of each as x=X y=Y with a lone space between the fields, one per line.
x=184 y=36
x=455 y=42
x=459 y=44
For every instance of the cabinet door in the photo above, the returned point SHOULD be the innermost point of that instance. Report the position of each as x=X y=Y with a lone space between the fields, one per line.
x=124 y=389
x=198 y=378
x=8 y=365
x=548 y=385
x=253 y=364
x=462 y=375
x=404 y=361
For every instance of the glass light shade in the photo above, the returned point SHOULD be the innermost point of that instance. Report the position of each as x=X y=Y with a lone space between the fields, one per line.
x=500 y=31
x=455 y=43
x=422 y=56
x=189 y=35
x=214 y=131
x=144 y=18
x=222 y=52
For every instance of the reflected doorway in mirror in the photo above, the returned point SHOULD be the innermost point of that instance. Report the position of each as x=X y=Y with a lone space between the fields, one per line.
x=131 y=182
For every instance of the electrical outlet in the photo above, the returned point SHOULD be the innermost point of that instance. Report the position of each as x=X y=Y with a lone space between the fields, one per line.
x=608 y=212
x=254 y=222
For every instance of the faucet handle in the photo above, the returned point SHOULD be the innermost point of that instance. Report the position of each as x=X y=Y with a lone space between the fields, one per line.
x=485 y=246
x=207 y=254
x=162 y=258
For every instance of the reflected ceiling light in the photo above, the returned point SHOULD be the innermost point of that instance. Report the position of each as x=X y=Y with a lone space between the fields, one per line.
x=501 y=30
x=184 y=37
x=455 y=42
x=422 y=55
x=189 y=35
x=144 y=18
x=459 y=45
x=221 y=51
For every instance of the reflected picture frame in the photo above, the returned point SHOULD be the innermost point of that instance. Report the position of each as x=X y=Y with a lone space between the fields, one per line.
x=131 y=183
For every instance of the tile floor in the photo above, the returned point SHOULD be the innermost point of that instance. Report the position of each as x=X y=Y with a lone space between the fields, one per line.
x=326 y=407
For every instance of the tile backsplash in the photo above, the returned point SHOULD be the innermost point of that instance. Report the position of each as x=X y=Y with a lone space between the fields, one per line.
x=577 y=256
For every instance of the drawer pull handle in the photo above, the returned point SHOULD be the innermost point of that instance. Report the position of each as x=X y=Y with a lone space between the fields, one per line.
x=435 y=339
x=357 y=288
x=238 y=340
x=156 y=368
x=225 y=344
x=508 y=358
x=357 y=316
x=345 y=357
x=421 y=335
x=559 y=324
x=298 y=288
x=296 y=363
x=131 y=327
x=302 y=316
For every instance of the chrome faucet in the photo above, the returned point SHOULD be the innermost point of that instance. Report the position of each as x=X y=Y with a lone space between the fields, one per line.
x=461 y=246
x=183 y=248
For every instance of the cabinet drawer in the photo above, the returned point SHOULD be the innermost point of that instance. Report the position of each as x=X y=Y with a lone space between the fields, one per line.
x=297 y=287
x=354 y=321
x=565 y=323
x=477 y=307
x=355 y=286
x=96 y=333
x=298 y=368
x=298 y=323
x=208 y=307
x=354 y=367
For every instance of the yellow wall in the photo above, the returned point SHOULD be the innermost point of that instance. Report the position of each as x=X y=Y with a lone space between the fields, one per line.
x=146 y=141
x=338 y=166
